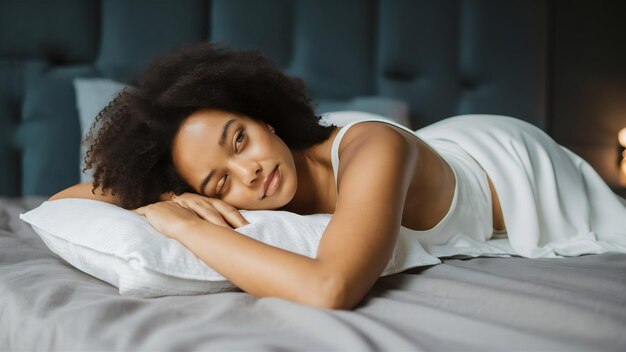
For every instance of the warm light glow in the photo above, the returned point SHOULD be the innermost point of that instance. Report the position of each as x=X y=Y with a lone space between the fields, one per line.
x=621 y=137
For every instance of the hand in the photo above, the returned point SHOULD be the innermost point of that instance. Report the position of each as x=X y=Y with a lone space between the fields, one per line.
x=170 y=215
x=169 y=218
x=211 y=209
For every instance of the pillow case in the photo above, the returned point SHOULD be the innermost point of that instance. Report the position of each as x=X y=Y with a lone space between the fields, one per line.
x=389 y=108
x=342 y=118
x=120 y=247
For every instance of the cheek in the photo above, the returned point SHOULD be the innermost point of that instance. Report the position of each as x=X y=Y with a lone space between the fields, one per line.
x=238 y=199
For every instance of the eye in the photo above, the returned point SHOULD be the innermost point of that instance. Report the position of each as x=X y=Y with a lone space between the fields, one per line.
x=239 y=139
x=221 y=185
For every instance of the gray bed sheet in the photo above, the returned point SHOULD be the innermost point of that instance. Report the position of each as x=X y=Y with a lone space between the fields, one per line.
x=463 y=304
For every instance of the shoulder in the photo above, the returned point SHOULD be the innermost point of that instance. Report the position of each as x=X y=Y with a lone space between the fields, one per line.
x=370 y=148
x=377 y=135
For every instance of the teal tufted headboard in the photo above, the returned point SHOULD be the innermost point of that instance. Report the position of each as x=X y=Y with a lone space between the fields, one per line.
x=443 y=57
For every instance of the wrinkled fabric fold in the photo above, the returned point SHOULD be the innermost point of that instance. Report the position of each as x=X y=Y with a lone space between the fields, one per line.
x=554 y=203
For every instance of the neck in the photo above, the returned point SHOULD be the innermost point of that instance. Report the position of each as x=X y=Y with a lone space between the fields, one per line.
x=314 y=168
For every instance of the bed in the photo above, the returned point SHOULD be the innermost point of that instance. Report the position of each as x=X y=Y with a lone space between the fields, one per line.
x=369 y=49
x=463 y=304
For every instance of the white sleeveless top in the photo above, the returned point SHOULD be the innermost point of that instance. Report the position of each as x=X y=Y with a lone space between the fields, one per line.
x=470 y=212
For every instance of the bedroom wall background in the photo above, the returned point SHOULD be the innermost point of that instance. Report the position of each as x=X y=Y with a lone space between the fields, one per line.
x=588 y=74
x=555 y=63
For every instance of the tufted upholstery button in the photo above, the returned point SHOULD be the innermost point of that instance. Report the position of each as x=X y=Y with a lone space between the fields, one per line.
x=398 y=74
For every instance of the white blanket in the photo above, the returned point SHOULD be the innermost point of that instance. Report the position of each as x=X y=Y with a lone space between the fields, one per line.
x=554 y=203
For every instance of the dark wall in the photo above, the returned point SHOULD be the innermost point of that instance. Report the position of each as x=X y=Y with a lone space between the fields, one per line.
x=443 y=57
x=588 y=93
x=560 y=64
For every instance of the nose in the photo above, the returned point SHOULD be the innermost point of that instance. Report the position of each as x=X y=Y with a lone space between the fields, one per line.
x=246 y=170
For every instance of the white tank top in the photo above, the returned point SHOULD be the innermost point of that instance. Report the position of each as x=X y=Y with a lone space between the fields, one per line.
x=470 y=212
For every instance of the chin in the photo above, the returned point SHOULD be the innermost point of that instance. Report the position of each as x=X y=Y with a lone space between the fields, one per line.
x=270 y=203
x=287 y=194
x=276 y=203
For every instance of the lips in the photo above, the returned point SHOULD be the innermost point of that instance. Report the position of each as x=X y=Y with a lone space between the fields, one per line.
x=268 y=180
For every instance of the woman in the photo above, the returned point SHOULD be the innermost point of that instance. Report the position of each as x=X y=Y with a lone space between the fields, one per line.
x=209 y=131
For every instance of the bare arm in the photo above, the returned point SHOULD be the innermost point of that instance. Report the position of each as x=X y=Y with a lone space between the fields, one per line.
x=83 y=190
x=374 y=176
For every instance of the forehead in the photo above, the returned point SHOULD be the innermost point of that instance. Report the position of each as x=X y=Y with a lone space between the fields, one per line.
x=201 y=127
x=197 y=135
x=205 y=120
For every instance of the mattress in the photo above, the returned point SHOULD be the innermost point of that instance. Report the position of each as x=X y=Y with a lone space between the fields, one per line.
x=464 y=303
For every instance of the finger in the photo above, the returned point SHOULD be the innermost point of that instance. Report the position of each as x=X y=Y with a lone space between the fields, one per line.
x=213 y=217
x=208 y=214
x=230 y=213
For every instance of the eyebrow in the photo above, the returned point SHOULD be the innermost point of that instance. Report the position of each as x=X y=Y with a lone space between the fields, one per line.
x=221 y=143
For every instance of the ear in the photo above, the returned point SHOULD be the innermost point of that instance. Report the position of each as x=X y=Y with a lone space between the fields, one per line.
x=270 y=127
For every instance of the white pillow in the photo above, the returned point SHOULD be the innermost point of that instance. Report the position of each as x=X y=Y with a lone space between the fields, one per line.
x=120 y=247
x=342 y=118
x=384 y=107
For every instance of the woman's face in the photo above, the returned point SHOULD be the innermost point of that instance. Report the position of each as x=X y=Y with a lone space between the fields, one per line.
x=232 y=157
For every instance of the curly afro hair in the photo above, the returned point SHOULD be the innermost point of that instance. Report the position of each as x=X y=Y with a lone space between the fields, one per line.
x=130 y=141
